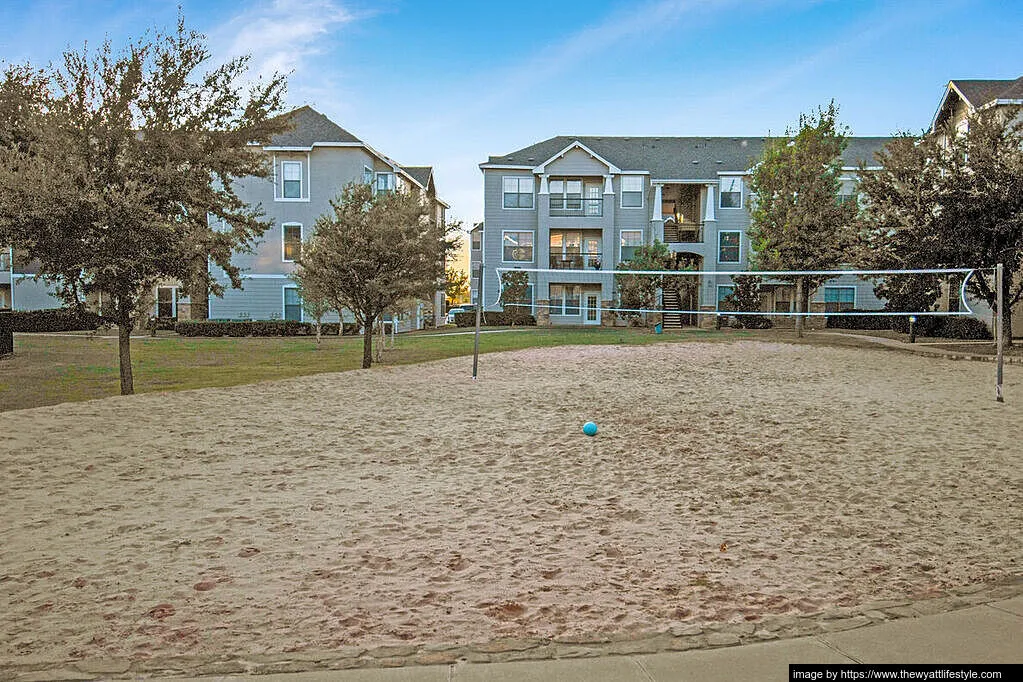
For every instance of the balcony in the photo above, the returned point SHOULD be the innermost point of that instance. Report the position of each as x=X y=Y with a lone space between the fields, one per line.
x=685 y=232
x=577 y=206
x=576 y=261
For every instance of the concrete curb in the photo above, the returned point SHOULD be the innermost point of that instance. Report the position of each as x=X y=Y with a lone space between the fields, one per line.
x=679 y=637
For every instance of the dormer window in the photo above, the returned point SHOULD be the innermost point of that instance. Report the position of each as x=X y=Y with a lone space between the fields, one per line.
x=292 y=174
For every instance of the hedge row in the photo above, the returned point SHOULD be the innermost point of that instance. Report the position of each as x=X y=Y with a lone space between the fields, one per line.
x=969 y=328
x=261 y=328
x=56 y=320
x=496 y=319
x=6 y=333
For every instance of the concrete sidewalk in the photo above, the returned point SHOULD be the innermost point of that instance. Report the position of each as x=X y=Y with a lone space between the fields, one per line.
x=989 y=633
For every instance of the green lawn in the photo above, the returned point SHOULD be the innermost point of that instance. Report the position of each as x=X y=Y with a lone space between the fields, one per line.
x=50 y=369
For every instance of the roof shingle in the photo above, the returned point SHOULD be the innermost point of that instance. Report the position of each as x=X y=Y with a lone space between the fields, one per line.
x=677 y=158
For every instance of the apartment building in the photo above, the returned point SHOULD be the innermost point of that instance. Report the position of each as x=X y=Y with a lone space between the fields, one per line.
x=583 y=204
x=311 y=163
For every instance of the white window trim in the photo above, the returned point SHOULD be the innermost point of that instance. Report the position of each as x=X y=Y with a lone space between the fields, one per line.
x=518 y=208
x=301 y=237
x=824 y=288
x=717 y=296
x=742 y=199
x=564 y=300
x=284 y=305
x=620 y=240
x=718 y=247
x=532 y=260
x=642 y=193
x=303 y=190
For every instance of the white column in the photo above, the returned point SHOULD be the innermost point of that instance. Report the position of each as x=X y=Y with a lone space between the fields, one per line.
x=608 y=186
x=544 y=189
x=656 y=219
x=708 y=212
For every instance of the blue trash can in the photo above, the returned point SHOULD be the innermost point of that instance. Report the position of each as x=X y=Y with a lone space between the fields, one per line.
x=658 y=328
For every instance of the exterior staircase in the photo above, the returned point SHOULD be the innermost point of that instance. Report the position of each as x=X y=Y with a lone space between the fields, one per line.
x=670 y=302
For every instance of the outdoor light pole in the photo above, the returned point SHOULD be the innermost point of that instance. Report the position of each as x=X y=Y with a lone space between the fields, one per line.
x=912 y=328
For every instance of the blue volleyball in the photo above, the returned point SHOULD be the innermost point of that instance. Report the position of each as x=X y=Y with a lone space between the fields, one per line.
x=590 y=429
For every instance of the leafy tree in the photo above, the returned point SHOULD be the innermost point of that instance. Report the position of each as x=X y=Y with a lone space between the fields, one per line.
x=456 y=286
x=746 y=297
x=796 y=220
x=123 y=158
x=639 y=292
x=898 y=229
x=514 y=292
x=314 y=302
x=953 y=199
x=373 y=251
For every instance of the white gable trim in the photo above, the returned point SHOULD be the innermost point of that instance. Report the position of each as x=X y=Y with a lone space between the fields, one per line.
x=542 y=168
x=949 y=89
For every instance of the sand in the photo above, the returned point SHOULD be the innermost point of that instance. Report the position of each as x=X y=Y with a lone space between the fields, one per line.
x=408 y=505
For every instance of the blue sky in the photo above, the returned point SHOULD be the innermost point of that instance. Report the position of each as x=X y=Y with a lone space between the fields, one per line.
x=449 y=83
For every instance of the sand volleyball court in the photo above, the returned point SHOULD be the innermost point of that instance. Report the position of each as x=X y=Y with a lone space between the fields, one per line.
x=729 y=482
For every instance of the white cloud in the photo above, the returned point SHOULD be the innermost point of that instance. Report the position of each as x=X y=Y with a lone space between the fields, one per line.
x=280 y=35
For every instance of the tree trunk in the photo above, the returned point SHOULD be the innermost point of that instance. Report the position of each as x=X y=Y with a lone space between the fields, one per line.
x=318 y=333
x=367 y=343
x=124 y=355
x=799 y=307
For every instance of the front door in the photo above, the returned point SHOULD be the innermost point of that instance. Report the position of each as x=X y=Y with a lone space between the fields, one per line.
x=591 y=308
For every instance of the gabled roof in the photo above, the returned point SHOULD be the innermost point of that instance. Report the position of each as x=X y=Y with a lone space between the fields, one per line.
x=674 y=158
x=420 y=174
x=310 y=126
x=979 y=94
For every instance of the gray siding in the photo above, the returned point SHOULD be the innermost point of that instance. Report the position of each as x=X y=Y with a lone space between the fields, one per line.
x=33 y=294
x=258 y=299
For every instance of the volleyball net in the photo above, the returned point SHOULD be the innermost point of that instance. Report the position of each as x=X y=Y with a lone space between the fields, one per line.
x=677 y=291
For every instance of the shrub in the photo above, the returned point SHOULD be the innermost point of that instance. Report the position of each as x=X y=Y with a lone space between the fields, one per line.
x=926 y=325
x=496 y=319
x=964 y=328
x=240 y=328
x=56 y=320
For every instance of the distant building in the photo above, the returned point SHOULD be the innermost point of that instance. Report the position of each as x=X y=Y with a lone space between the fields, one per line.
x=311 y=164
x=583 y=204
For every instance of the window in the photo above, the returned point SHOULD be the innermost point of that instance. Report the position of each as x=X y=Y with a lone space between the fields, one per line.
x=566 y=195
x=724 y=290
x=518 y=192
x=731 y=191
x=292 y=304
x=166 y=302
x=594 y=203
x=477 y=240
x=728 y=246
x=518 y=247
x=367 y=175
x=292 y=172
x=291 y=235
x=385 y=183
x=632 y=191
x=475 y=271
x=565 y=299
x=630 y=240
x=839 y=299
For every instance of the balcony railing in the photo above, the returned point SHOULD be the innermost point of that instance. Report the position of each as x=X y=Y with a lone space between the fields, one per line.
x=577 y=206
x=575 y=261
x=686 y=232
